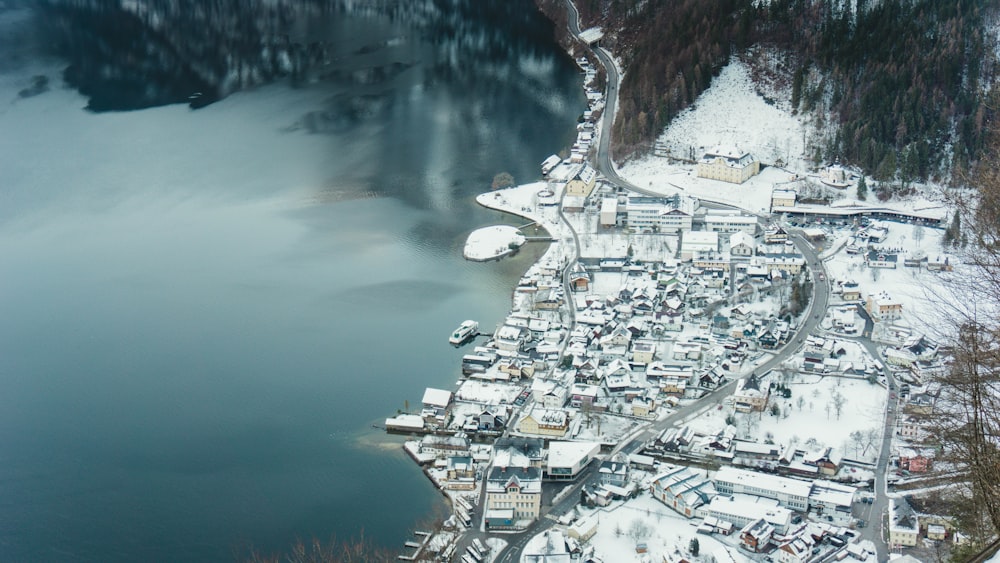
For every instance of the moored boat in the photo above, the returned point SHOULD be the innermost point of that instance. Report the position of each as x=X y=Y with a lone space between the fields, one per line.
x=466 y=330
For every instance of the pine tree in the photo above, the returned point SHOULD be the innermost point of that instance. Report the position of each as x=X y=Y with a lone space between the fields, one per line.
x=862 y=189
x=694 y=547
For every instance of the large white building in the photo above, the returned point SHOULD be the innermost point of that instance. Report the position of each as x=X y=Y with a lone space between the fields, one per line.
x=728 y=164
x=741 y=510
x=660 y=214
x=791 y=493
x=696 y=242
x=730 y=222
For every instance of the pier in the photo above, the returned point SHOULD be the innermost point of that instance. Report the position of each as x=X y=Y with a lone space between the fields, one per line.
x=418 y=546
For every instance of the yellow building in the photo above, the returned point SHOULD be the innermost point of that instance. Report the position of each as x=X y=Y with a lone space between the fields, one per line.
x=542 y=422
x=782 y=198
x=728 y=164
x=583 y=183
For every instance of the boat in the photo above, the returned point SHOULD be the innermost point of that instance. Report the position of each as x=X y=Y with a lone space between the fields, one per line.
x=465 y=331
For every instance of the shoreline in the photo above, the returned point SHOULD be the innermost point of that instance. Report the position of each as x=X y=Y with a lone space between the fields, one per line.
x=518 y=201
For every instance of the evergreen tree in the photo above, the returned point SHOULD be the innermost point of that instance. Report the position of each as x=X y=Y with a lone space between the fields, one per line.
x=694 y=547
x=953 y=234
x=862 y=189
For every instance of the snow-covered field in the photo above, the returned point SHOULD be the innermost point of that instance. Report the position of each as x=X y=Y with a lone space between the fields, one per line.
x=644 y=520
x=805 y=419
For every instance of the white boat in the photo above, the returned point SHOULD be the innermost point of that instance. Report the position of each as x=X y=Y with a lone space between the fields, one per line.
x=465 y=331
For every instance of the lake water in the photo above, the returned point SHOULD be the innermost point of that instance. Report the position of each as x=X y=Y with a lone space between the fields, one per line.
x=202 y=313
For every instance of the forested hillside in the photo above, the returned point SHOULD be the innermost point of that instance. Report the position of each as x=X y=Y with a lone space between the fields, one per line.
x=904 y=81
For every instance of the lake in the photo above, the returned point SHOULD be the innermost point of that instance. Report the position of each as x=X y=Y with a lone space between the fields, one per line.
x=205 y=311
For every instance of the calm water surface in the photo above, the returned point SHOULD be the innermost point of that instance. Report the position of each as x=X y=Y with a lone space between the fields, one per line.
x=204 y=312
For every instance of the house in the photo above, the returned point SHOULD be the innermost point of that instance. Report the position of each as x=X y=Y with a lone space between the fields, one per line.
x=903 y=524
x=851 y=291
x=728 y=164
x=916 y=460
x=693 y=242
x=775 y=235
x=756 y=536
x=583 y=184
x=912 y=427
x=883 y=308
x=548 y=299
x=435 y=405
x=751 y=394
x=643 y=406
x=790 y=264
x=782 y=198
x=443 y=446
x=613 y=473
x=581 y=394
x=544 y=422
x=513 y=496
x=510 y=338
x=826 y=459
x=515 y=451
x=579 y=279
x=878 y=259
x=900 y=357
x=643 y=352
x=797 y=549
x=461 y=473
x=741 y=244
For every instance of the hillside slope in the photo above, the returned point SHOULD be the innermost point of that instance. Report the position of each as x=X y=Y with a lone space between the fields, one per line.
x=904 y=82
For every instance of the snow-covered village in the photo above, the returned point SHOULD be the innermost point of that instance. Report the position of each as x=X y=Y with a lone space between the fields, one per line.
x=724 y=355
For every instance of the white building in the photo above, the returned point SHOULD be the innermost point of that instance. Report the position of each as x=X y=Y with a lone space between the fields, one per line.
x=698 y=241
x=741 y=244
x=568 y=459
x=609 y=212
x=783 y=198
x=788 y=492
x=660 y=214
x=744 y=509
x=730 y=222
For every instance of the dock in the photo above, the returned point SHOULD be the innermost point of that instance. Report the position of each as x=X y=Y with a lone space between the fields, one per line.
x=418 y=546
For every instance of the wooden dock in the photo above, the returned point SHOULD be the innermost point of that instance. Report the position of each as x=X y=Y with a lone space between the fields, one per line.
x=418 y=546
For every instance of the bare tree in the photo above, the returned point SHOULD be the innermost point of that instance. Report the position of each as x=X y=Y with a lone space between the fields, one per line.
x=857 y=439
x=839 y=400
x=968 y=411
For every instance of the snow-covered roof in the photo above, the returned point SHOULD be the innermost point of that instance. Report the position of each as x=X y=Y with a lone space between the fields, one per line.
x=436 y=397
x=764 y=481
x=569 y=454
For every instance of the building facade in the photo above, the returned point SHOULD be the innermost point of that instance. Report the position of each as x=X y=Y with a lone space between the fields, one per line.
x=728 y=164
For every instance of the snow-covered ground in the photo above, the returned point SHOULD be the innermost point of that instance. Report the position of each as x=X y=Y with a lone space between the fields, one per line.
x=804 y=418
x=915 y=288
x=731 y=112
x=644 y=520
